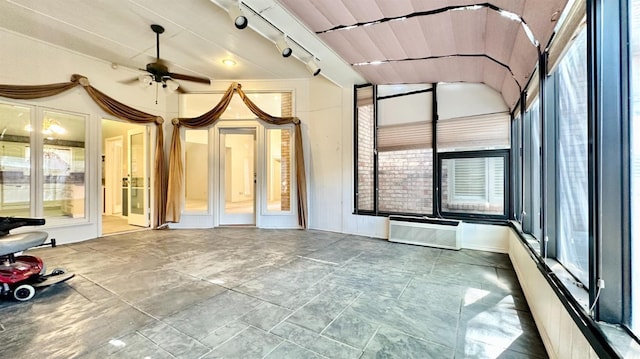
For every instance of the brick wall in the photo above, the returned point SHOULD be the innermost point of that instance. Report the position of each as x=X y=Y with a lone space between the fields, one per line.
x=365 y=158
x=405 y=181
x=285 y=155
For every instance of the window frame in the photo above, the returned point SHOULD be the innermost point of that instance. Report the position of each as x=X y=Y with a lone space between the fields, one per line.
x=36 y=149
x=498 y=153
x=376 y=181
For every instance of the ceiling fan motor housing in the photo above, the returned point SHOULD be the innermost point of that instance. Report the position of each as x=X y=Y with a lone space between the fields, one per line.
x=158 y=70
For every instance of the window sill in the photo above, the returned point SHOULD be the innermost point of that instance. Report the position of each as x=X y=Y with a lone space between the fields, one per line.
x=617 y=337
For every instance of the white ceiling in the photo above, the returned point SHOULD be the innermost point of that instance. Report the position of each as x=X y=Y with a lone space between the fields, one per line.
x=199 y=34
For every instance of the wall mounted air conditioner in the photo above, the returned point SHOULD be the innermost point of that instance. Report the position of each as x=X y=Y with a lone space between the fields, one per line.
x=425 y=231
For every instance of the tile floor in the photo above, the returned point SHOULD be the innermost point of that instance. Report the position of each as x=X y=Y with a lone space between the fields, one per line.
x=251 y=293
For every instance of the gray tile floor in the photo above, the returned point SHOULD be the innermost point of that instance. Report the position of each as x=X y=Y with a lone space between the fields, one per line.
x=251 y=293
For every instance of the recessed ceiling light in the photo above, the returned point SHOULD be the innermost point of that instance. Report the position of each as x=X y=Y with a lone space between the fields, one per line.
x=229 y=62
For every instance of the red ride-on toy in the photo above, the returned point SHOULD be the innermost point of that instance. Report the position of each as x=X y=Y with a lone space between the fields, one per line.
x=20 y=275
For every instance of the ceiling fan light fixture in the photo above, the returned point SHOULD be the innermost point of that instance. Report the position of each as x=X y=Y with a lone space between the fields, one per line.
x=145 y=80
x=240 y=21
x=171 y=85
x=313 y=67
x=283 y=47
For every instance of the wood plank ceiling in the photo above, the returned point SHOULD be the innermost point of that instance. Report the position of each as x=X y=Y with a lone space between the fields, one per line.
x=417 y=41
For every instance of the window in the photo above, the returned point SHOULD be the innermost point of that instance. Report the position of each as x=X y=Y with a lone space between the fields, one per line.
x=15 y=160
x=279 y=151
x=474 y=185
x=63 y=164
x=532 y=148
x=518 y=173
x=394 y=152
x=196 y=188
x=474 y=153
x=365 y=125
x=404 y=156
x=634 y=34
x=58 y=147
x=572 y=176
x=535 y=169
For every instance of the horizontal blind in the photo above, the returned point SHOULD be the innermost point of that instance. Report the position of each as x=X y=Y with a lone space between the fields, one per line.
x=496 y=173
x=469 y=178
x=474 y=133
x=364 y=96
x=404 y=137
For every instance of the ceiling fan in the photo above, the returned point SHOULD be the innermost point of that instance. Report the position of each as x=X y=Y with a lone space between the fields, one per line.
x=158 y=71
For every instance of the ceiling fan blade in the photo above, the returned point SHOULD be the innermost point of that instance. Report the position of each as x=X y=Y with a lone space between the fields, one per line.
x=201 y=80
x=129 y=81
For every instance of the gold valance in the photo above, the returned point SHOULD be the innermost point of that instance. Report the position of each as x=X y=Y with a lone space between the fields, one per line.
x=176 y=170
x=112 y=107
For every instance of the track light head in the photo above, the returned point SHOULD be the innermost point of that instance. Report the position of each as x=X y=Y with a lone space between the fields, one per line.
x=240 y=21
x=283 y=46
x=313 y=67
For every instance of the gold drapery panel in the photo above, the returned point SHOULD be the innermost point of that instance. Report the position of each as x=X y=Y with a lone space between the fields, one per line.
x=112 y=107
x=176 y=169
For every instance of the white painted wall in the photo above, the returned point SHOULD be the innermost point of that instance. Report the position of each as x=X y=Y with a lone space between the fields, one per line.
x=560 y=335
x=485 y=237
x=325 y=167
x=26 y=61
x=468 y=99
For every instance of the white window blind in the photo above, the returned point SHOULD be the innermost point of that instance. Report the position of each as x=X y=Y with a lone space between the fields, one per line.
x=474 y=133
x=479 y=179
x=364 y=96
x=469 y=179
x=404 y=137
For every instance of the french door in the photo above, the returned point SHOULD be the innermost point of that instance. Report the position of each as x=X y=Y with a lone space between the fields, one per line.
x=237 y=169
x=138 y=201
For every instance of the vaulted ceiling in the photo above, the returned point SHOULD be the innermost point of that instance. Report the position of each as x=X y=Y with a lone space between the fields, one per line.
x=413 y=41
x=354 y=41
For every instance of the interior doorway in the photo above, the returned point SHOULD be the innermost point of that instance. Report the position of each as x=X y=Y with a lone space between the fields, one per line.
x=112 y=159
x=125 y=176
x=237 y=205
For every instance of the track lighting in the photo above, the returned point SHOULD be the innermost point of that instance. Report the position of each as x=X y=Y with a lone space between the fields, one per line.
x=283 y=46
x=283 y=43
x=313 y=67
x=239 y=19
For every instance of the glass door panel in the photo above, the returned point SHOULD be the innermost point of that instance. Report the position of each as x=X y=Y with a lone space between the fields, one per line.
x=138 y=178
x=237 y=176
